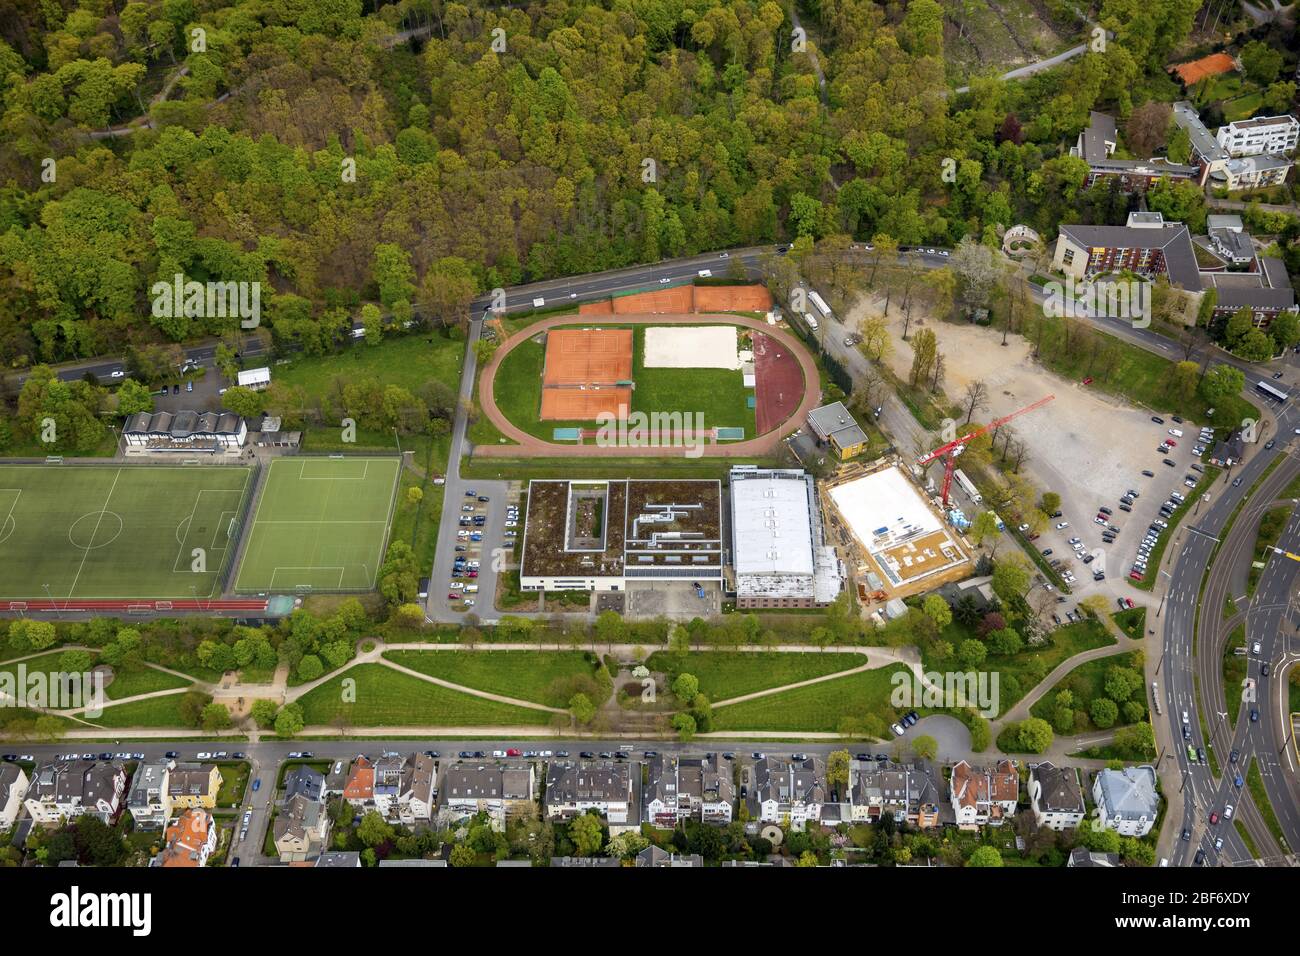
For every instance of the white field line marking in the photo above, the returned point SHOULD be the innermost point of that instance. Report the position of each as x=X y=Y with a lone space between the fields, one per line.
x=86 y=552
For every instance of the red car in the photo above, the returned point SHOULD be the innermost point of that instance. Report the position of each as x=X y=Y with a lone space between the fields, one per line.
x=1088 y=380
x=514 y=752
x=1171 y=443
x=473 y=574
x=453 y=596
x=1214 y=818
x=1135 y=575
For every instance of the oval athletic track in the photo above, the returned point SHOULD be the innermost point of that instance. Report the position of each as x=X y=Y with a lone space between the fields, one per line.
x=531 y=446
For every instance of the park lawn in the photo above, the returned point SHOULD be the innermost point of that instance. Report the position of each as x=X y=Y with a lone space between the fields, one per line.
x=1132 y=622
x=538 y=676
x=1262 y=803
x=385 y=697
x=141 y=679
x=44 y=664
x=1086 y=682
x=151 y=712
x=727 y=674
x=818 y=707
x=1032 y=664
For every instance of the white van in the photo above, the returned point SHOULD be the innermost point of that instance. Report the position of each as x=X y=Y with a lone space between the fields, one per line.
x=471 y=589
x=705 y=274
x=812 y=322
x=538 y=302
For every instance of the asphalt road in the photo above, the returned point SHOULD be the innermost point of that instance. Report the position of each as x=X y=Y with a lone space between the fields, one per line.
x=1176 y=671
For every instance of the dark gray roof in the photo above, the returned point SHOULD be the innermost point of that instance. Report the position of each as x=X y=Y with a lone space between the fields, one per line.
x=1202 y=141
x=304 y=780
x=1100 y=131
x=1173 y=241
x=1061 y=792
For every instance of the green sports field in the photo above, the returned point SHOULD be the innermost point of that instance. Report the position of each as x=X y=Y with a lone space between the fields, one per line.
x=110 y=531
x=320 y=523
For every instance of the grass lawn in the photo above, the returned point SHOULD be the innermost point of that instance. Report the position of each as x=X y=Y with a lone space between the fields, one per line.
x=718 y=393
x=1140 y=377
x=1087 y=682
x=1258 y=794
x=234 y=778
x=1032 y=665
x=153 y=712
x=1234 y=671
x=320 y=523
x=115 y=531
x=1132 y=622
x=726 y=674
x=1270 y=529
x=385 y=697
x=819 y=707
x=127 y=682
x=545 y=677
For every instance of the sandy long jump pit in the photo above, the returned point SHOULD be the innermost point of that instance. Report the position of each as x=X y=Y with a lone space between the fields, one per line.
x=692 y=346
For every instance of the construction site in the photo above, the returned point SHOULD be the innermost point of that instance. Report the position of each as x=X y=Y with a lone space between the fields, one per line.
x=894 y=537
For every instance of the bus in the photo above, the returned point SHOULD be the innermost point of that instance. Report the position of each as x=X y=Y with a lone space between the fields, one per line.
x=967 y=485
x=1271 y=391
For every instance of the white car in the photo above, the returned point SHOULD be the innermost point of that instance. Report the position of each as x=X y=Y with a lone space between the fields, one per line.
x=665 y=281
x=897 y=729
x=208 y=756
x=943 y=252
x=498 y=753
x=117 y=375
x=456 y=585
x=469 y=602
x=1062 y=524
x=705 y=274
x=1227 y=812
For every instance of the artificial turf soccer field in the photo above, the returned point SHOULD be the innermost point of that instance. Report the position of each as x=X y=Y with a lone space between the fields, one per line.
x=321 y=523
x=109 y=531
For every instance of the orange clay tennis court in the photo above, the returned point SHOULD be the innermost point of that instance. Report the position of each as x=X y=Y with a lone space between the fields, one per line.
x=581 y=373
x=583 y=404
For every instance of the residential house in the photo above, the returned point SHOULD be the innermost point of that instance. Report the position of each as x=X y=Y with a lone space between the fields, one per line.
x=148 y=799
x=1082 y=856
x=1127 y=800
x=193 y=785
x=1259 y=136
x=909 y=794
x=190 y=840
x=13 y=787
x=653 y=856
x=572 y=862
x=339 y=859
x=788 y=790
x=1146 y=245
x=1056 y=796
x=360 y=788
x=305 y=780
x=500 y=790
x=699 y=788
x=336 y=779
x=300 y=829
x=574 y=788
x=1096 y=146
x=982 y=797
x=404 y=786
x=71 y=788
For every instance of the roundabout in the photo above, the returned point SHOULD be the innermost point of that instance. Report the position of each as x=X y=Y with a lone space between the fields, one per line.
x=783 y=369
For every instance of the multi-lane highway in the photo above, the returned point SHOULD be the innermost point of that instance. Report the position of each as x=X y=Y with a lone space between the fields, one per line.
x=1189 y=674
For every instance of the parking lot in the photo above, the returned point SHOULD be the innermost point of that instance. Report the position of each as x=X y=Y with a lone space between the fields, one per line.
x=1082 y=546
x=486 y=517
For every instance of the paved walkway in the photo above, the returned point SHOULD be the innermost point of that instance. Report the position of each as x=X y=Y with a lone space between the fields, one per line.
x=1021 y=710
x=527 y=445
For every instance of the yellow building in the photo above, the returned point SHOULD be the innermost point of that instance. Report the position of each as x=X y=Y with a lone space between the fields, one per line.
x=192 y=785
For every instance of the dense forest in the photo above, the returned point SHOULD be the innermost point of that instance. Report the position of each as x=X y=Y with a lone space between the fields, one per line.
x=414 y=153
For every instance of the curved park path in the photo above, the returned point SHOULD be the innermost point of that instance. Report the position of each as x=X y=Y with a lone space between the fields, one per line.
x=531 y=446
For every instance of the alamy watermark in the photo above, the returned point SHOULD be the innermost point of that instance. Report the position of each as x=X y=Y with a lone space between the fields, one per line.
x=209 y=300
x=1119 y=299
x=624 y=429
x=53 y=690
x=949 y=690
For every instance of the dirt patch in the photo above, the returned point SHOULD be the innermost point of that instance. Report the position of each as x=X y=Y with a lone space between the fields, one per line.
x=1080 y=445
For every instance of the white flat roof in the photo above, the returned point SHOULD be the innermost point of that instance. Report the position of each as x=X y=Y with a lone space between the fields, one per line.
x=253 y=375
x=772 y=526
x=884 y=508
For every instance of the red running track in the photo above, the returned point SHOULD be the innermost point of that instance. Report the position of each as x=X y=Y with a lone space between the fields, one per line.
x=138 y=607
x=778 y=383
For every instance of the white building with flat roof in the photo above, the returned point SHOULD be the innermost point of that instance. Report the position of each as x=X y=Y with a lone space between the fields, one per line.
x=778 y=554
x=255 y=378
x=906 y=540
x=1263 y=134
